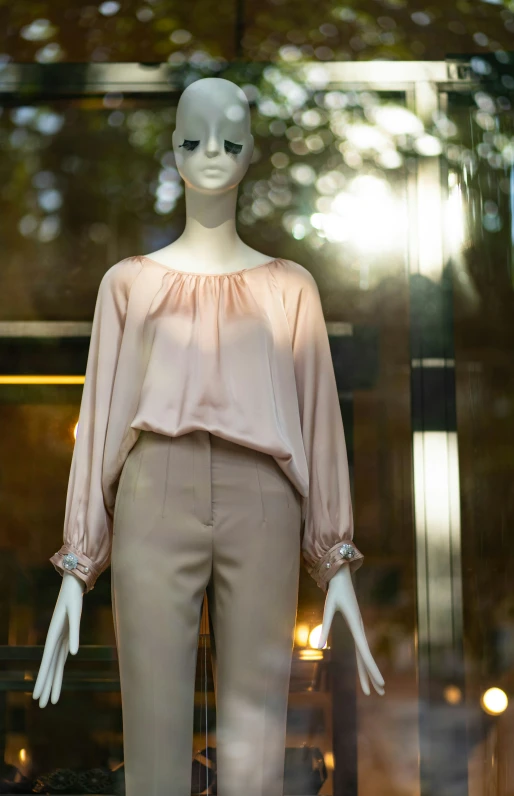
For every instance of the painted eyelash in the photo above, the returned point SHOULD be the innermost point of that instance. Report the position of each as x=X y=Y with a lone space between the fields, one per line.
x=230 y=147
x=233 y=149
x=190 y=145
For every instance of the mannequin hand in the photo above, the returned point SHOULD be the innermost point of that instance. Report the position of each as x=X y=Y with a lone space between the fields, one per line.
x=62 y=637
x=341 y=597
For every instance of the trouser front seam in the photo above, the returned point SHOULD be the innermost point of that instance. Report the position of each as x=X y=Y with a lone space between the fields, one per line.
x=163 y=512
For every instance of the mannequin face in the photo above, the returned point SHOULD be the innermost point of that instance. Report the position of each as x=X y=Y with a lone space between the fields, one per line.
x=212 y=141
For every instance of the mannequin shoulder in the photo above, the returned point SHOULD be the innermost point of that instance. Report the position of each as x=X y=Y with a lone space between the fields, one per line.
x=297 y=277
x=120 y=276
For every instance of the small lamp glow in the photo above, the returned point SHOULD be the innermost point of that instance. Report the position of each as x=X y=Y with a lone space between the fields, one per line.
x=75 y=428
x=452 y=694
x=494 y=701
x=23 y=755
x=302 y=635
x=314 y=637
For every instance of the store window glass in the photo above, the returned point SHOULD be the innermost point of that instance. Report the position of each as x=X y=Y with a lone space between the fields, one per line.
x=394 y=188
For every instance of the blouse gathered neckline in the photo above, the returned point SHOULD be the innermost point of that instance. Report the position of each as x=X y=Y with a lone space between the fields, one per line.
x=206 y=274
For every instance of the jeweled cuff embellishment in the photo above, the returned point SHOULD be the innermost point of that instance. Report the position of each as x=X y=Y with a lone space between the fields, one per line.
x=75 y=561
x=347 y=551
x=70 y=561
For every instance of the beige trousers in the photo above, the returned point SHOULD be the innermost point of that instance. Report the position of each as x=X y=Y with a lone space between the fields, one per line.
x=196 y=513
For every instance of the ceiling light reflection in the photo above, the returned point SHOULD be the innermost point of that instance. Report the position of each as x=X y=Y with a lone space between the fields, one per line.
x=494 y=701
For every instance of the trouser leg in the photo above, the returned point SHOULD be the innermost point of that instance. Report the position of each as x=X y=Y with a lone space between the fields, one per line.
x=252 y=602
x=161 y=564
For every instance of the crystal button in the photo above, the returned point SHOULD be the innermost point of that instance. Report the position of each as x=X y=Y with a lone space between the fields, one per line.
x=70 y=561
x=347 y=551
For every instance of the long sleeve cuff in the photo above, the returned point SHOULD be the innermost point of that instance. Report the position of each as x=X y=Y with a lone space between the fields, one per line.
x=69 y=559
x=341 y=553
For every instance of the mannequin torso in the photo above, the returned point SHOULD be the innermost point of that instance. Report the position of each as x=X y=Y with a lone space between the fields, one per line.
x=213 y=147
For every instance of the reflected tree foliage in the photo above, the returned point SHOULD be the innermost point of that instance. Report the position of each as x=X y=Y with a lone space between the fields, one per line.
x=256 y=30
x=90 y=180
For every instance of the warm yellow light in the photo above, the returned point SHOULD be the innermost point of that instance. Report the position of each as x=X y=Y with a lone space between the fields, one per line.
x=494 y=701
x=75 y=429
x=329 y=760
x=310 y=655
x=302 y=635
x=452 y=694
x=23 y=755
x=42 y=379
x=314 y=637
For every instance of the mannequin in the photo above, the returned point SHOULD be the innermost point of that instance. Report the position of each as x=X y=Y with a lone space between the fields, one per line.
x=209 y=244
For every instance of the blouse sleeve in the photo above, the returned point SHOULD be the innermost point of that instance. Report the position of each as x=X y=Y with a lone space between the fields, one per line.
x=328 y=531
x=86 y=548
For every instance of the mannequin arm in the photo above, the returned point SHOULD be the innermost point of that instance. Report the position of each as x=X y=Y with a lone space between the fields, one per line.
x=341 y=597
x=62 y=637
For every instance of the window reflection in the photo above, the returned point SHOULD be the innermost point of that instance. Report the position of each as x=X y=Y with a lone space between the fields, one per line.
x=404 y=217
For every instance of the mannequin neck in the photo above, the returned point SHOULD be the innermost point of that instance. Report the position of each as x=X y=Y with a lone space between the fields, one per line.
x=211 y=223
x=209 y=242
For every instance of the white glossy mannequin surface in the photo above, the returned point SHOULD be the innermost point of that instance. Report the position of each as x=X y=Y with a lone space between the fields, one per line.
x=213 y=122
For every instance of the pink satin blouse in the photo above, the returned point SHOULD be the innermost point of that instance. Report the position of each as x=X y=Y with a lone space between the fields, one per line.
x=244 y=355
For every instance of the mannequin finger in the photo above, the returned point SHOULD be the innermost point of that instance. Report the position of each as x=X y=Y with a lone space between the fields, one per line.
x=44 y=669
x=372 y=668
x=59 y=671
x=55 y=632
x=378 y=685
x=45 y=694
x=40 y=681
x=380 y=689
x=368 y=660
x=356 y=626
x=73 y=617
x=46 y=663
x=374 y=672
x=353 y=619
x=377 y=681
x=363 y=674
x=47 y=687
x=328 y=616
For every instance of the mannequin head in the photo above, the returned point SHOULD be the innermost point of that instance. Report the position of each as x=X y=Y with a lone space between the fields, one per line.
x=212 y=140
